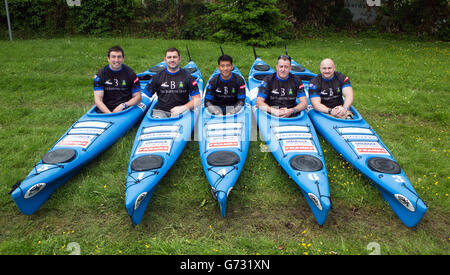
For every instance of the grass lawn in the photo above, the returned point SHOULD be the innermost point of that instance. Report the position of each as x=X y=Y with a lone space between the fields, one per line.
x=401 y=89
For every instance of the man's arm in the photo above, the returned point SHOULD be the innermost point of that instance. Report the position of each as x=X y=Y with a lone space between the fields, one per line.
x=135 y=100
x=98 y=100
x=348 y=94
x=262 y=105
x=303 y=103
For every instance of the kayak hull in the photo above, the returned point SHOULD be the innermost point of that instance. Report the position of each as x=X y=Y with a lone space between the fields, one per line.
x=360 y=145
x=157 y=145
x=91 y=135
x=224 y=137
x=295 y=145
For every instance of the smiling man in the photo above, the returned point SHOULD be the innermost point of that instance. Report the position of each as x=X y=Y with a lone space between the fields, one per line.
x=174 y=86
x=326 y=91
x=279 y=92
x=225 y=93
x=116 y=86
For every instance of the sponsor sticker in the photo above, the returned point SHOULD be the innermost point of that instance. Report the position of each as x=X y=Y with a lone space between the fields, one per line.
x=367 y=147
x=167 y=128
x=224 y=133
x=292 y=135
x=293 y=128
x=359 y=137
x=91 y=124
x=223 y=142
x=298 y=145
x=223 y=126
x=355 y=130
x=89 y=131
x=158 y=135
x=152 y=146
x=82 y=141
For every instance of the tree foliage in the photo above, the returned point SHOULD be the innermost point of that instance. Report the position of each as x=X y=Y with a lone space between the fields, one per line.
x=255 y=22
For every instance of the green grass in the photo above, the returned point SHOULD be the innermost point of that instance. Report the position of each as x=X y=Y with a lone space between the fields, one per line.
x=401 y=89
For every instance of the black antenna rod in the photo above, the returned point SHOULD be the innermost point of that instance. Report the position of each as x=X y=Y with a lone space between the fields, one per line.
x=254 y=52
x=189 y=55
x=221 y=50
x=285 y=49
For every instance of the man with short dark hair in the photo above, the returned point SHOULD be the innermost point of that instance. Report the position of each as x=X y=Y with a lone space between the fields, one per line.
x=326 y=91
x=225 y=93
x=279 y=92
x=174 y=86
x=116 y=86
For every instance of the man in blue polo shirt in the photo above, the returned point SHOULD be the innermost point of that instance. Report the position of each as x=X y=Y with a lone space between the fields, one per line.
x=116 y=86
x=326 y=91
x=174 y=86
x=279 y=92
x=225 y=93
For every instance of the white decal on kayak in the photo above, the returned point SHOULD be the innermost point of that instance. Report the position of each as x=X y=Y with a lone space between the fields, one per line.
x=223 y=126
x=158 y=135
x=293 y=128
x=223 y=133
x=398 y=178
x=315 y=200
x=405 y=202
x=354 y=130
x=89 y=131
x=167 y=128
x=44 y=167
x=34 y=190
x=293 y=135
x=151 y=146
x=139 y=200
x=76 y=141
x=367 y=147
x=92 y=124
x=359 y=137
x=313 y=177
x=223 y=142
x=298 y=145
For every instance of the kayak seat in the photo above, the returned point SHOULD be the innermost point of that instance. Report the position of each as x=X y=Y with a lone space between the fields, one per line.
x=147 y=162
x=59 y=156
x=296 y=68
x=156 y=69
x=259 y=76
x=306 y=163
x=145 y=77
x=223 y=158
x=191 y=70
x=261 y=68
x=384 y=165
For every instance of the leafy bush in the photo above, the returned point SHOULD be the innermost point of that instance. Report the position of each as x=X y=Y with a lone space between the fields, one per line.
x=256 y=22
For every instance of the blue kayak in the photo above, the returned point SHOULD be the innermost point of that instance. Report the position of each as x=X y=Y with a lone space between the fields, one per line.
x=146 y=75
x=301 y=72
x=223 y=144
x=158 y=144
x=92 y=134
x=358 y=143
x=295 y=145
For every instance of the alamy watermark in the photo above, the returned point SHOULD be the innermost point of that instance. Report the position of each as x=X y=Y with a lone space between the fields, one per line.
x=372 y=3
x=72 y=3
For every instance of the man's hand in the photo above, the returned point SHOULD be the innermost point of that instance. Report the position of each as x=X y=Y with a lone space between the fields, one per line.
x=175 y=111
x=338 y=111
x=118 y=108
x=286 y=112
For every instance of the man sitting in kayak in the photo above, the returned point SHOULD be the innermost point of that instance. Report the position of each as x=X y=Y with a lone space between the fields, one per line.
x=173 y=86
x=326 y=91
x=225 y=93
x=116 y=86
x=278 y=92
